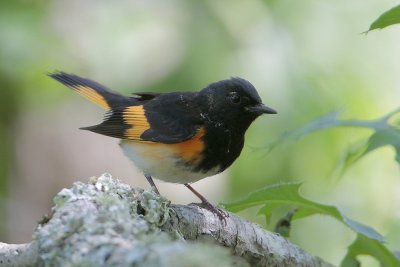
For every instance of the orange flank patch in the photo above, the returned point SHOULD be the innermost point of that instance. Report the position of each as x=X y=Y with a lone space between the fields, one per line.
x=191 y=150
x=134 y=116
x=92 y=95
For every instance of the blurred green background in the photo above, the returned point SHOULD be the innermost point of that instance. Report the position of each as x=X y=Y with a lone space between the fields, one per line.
x=306 y=58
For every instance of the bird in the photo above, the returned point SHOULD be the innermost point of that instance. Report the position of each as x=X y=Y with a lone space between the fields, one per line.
x=176 y=137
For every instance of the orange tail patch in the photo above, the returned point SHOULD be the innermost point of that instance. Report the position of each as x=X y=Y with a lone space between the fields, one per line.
x=91 y=95
x=93 y=91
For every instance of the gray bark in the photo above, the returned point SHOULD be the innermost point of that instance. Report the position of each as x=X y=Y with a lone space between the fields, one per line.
x=108 y=223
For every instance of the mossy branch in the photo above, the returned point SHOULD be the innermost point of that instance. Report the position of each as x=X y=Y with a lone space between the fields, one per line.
x=108 y=223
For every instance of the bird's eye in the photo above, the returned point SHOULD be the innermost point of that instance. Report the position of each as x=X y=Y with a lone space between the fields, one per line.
x=234 y=98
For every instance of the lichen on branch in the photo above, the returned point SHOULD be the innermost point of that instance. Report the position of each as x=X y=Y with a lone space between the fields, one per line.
x=108 y=223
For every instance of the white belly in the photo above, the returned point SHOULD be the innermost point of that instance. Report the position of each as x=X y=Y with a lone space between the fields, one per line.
x=162 y=163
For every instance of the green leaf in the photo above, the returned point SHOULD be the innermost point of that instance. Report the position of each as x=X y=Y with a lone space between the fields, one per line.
x=327 y=121
x=353 y=154
x=267 y=210
x=288 y=195
x=385 y=134
x=390 y=17
x=389 y=136
x=366 y=246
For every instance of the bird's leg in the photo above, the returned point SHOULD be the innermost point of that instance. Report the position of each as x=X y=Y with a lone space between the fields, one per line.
x=222 y=215
x=152 y=184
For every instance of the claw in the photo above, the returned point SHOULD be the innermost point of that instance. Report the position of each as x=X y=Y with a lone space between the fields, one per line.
x=222 y=214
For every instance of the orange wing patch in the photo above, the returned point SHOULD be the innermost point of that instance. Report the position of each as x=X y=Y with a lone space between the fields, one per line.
x=134 y=116
x=189 y=150
x=91 y=94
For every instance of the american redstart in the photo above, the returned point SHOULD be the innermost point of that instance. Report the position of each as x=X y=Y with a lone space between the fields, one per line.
x=178 y=137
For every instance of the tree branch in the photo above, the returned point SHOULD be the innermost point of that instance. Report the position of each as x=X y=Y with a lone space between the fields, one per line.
x=108 y=223
x=18 y=254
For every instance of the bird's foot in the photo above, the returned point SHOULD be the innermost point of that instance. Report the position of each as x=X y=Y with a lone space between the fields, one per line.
x=222 y=214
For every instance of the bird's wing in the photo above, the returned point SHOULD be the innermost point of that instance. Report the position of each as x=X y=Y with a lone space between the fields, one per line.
x=143 y=124
x=144 y=117
x=145 y=96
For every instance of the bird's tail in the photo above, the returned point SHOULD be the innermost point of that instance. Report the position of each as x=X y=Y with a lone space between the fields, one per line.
x=93 y=91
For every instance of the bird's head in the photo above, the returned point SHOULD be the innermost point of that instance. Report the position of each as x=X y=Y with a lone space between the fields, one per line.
x=234 y=101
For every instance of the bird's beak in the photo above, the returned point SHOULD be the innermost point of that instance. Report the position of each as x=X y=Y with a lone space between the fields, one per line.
x=261 y=109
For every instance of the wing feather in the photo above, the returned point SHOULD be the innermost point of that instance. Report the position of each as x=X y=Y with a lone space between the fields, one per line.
x=93 y=91
x=166 y=118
